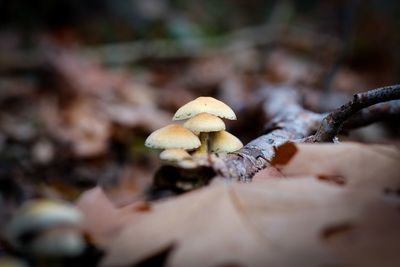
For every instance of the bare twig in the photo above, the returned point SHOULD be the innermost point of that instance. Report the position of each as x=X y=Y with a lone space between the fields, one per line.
x=332 y=124
x=367 y=116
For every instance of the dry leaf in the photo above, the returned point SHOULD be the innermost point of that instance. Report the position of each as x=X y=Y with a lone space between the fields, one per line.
x=360 y=166
x=278 y=222
x=283 y=154
x=102 y=219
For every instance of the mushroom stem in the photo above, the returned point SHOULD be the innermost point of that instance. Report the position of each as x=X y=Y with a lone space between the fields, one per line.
x=204 y=147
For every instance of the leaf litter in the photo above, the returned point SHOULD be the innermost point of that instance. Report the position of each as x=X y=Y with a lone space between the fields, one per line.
x=297 y=221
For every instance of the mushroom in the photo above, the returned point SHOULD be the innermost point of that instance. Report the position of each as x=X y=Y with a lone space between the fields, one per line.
x=204 y=117
x=173 y=136
x=204 y=104
x=174 y=154
x=203 y=113
x=202 y=124
x=224 y=141
x=46 y=228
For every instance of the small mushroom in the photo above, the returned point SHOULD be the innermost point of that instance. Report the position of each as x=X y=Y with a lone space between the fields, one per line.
x=204 y=104
x=46 y=228
x=172 y=136
x=224 y=141
x=204 y=123
x=204 y=117
x=174 y=154
x=179 y=156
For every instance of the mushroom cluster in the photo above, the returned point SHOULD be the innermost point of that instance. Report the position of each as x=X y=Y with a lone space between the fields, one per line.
x=203 y=132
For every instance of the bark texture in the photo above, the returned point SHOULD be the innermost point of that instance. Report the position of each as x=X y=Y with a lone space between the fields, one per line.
x=290 y=122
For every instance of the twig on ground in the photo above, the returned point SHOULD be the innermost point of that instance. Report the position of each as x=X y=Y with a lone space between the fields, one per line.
x=332 y=124
x=295 y=124
x=375 y=113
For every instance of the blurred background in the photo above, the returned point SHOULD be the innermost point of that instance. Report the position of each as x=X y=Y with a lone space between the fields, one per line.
x=83 y=83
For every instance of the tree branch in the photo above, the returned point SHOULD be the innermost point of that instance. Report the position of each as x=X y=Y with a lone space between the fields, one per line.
x=291 y=122
x=332 y=124
x=367 y=116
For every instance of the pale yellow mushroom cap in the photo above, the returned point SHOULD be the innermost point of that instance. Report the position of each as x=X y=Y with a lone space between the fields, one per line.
x=172 y=136
x=225 y=142
x=204 y=104
x=41 y=214
x=174 y=154
x=204 y=122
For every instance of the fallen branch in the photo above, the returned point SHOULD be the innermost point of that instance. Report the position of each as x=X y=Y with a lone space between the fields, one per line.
x=332 y=124
x=291 y=122
x=375 y=113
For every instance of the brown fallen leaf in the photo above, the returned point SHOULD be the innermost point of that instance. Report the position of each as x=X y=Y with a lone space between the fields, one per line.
x=277 y=222
x=283 y=154
x=360 y=166
x=102 y=220
x=373 y=240
x=209 y=227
